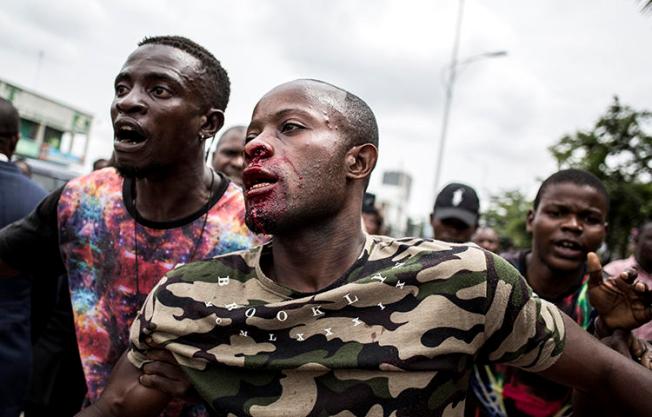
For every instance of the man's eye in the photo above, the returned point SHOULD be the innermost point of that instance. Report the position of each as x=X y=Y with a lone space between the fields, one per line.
x=290 y=127
x=161 y=92
x=554 y=213
x=592 y=220
x=250 y=137
x=121 y=90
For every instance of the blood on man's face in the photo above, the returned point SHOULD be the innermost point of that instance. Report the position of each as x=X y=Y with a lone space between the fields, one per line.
x=294 y=158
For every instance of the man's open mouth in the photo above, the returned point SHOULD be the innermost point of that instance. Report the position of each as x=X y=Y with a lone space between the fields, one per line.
x=257 y=179
x=127 y=133
x=569 y=248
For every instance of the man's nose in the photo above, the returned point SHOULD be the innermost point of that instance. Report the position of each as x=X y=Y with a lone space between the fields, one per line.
x=130 y=102
x=257 y=148
x=572 y=223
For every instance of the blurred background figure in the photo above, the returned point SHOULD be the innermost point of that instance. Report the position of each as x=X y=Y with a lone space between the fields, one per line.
x=24 y=167
x=456 y=212
x=228 y=156
x=641 y=260
x=101 y=164
x=18 y=196
x=487 y=238
x=371 y=216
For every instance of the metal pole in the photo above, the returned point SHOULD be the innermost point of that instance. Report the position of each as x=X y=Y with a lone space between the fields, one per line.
x=449 y=96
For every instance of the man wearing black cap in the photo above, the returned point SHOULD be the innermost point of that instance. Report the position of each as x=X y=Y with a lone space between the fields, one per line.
x=456 y=212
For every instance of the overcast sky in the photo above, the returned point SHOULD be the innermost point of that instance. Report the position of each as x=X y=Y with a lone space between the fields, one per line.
x=565 y=62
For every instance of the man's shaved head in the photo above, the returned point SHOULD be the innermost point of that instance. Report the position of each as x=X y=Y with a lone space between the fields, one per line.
x=353 y=113
x=233 y=129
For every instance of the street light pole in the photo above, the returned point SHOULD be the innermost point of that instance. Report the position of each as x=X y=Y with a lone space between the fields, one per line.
x=449 y=96
x=452 y=73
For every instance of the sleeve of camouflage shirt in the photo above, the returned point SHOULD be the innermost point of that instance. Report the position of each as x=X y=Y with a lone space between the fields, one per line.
x=522 y=330
x=155 y=326
x=140 y=332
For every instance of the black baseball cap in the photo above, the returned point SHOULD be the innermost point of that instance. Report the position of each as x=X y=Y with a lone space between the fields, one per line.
x=458 y=201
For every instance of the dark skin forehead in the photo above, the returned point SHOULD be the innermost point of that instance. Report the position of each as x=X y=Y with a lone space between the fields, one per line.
x=567 y=194
x=165 y=63
x=313 y=97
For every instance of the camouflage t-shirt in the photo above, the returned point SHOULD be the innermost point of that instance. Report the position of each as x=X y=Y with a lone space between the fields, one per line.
x=396 y=335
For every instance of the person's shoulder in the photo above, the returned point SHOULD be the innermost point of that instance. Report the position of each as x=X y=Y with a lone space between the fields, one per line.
x=106 y=177
x=433 y=258
x=239 y=265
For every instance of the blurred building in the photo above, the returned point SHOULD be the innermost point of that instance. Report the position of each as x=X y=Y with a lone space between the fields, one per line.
x=54 y=137
x=393 y=197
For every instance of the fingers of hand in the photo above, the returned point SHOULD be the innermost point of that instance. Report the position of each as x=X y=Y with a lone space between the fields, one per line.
x=169 y=386
x=160 y=355
x=636 y=346
x=164 y=370
x=646 y=358
x=594 y=267
x=629 y=276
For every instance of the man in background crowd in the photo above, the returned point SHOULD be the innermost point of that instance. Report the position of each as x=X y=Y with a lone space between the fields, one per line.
x=641 y=261
x=101 y=163
x=371 y=217
x=228 y=156
x=567 y=221
x=18 y=196
x=456 y=213
x=487 y=238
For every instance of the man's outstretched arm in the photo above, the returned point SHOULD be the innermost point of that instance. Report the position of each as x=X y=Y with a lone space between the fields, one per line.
x=124 y=395
x=590 y=367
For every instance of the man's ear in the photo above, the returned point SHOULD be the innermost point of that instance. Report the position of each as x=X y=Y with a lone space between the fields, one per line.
x=212 y=121
x=13 y=142
x=530 y=219
x=360 y=160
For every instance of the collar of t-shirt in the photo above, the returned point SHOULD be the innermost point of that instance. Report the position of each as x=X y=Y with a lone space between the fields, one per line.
x=4 y=158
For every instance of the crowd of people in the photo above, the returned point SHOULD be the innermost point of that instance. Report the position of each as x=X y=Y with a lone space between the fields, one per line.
x=261 y=283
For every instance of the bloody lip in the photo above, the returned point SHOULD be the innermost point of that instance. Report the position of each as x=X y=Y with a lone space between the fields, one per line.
x=253 y=177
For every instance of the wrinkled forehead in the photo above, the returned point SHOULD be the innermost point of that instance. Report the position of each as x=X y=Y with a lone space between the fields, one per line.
x=307 y=95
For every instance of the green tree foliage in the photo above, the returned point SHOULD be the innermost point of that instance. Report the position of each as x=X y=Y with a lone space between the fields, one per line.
x=507 y=214
x=618 y=150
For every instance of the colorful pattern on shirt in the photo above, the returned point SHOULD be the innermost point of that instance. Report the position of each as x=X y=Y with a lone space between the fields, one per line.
x=504 y=391
x=396 y=335
x=97 y=237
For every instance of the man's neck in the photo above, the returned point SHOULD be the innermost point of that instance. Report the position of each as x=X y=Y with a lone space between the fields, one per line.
x=550 y=284
x=310 y=260
x=175 y=195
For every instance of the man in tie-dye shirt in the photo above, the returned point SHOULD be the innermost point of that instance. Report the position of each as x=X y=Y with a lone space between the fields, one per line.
x=115 y=232
x=327 y=321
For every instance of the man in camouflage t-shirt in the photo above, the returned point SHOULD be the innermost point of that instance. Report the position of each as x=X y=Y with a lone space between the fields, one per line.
x=398 y=332
x=325 y=320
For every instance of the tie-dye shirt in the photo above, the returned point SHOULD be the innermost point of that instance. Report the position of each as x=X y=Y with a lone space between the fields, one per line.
x=397 y=334
x=114 y=257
